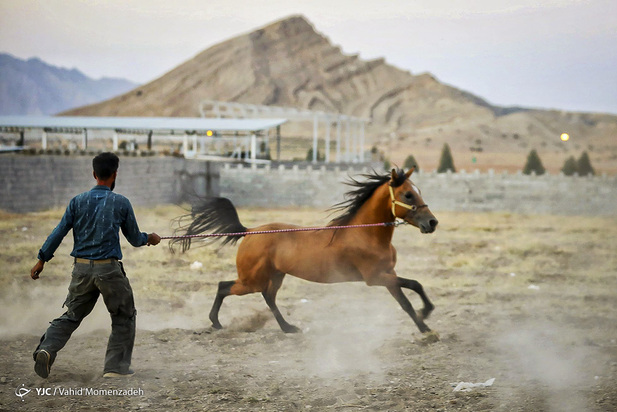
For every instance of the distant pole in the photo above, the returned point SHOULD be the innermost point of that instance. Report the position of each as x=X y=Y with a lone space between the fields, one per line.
x=338 y=139
x=115 y=140
x=347 y=140
x=150 y=140
x=327 y=158
x=84 y=139
x=22 y=140
x=315 y=127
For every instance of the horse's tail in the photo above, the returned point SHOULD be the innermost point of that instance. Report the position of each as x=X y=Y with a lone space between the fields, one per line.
x=212 y=215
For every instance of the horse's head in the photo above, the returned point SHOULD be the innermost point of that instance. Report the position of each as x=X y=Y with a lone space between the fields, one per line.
x=407 y=203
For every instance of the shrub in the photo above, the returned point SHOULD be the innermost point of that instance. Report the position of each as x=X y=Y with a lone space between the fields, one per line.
x=570 y=167
x=309 y=155
x=534 y=164
x=583 y=165
x=411 y=162
x=446 y=162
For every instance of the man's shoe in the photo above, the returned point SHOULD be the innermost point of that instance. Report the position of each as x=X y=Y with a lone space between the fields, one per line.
x=42 y=363
x=130 y=372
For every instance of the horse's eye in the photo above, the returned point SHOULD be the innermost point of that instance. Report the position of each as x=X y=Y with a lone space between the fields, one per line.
x=408 y=195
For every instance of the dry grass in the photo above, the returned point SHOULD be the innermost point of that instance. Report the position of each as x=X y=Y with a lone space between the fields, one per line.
x=492 y=252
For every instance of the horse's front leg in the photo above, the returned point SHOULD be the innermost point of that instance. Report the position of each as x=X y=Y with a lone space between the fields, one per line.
x=400 y=297
x=394 y=284
x=417 y=287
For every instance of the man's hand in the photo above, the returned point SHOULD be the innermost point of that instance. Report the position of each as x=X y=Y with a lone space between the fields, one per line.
x=153 y=239
x=37 y=269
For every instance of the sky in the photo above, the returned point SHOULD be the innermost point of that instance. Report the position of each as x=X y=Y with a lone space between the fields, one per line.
x=553 y=54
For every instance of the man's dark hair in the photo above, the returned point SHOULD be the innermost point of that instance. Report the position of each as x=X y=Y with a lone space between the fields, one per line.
x=105 y=165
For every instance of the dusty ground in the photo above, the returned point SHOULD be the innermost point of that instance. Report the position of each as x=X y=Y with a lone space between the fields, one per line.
x=527 y=300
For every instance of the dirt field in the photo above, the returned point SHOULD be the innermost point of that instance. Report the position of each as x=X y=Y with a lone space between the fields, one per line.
x=527 y=300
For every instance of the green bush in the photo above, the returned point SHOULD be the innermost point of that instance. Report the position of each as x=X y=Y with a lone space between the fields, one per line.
x=583 y=165
x=446 y=162
x=534 y=164
x=570 y=167
x=309 y=156
x=411 y=162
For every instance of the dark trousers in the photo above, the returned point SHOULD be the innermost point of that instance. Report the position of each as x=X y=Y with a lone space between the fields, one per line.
x=89 y=281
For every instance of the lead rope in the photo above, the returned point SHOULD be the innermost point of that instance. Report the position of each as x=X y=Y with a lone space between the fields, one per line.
x=301 y=229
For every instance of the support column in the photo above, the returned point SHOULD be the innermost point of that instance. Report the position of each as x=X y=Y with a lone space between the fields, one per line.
x=253 y=151
x=115 y=141
x=354 y=140
x=84 y=139
x=327 y=156
x=347 y=141
x=44 y=140
x=185 y=144
x=278 y=142
x=362 y=148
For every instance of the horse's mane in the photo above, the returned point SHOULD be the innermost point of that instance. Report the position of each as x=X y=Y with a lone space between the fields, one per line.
x=354 y=199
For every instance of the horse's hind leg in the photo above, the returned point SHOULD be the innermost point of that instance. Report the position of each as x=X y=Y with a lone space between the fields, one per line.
x=223 y=291
x=417 y=287
x=270 y=296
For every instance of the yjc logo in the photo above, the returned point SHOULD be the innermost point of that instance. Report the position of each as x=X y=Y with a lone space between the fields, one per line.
x=23 y=391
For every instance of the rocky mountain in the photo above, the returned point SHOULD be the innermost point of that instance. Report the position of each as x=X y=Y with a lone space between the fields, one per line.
x=288 y=63
x=33 y=87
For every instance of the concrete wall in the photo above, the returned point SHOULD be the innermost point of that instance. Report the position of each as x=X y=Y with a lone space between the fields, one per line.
x=34 y=183
x=317 y=187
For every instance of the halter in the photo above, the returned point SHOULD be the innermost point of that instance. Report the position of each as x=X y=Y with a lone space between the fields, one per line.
x=395 y=202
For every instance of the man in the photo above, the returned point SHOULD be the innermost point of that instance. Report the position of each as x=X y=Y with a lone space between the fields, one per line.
x=96 y=217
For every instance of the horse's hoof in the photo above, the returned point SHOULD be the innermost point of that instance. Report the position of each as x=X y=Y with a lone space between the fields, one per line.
x=216 y=326
x=292 y=329
x=429 y=337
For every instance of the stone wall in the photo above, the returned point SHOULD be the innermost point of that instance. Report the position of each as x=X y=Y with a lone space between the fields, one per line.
x=34 y=183
x=518 y=193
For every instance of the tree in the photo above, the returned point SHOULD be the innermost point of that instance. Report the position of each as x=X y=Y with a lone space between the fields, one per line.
x=584 y=165
x=570 y=167
x=446 y=162
x=411 y=162
x=309 y=155
x=534 y=164
x=387 y=165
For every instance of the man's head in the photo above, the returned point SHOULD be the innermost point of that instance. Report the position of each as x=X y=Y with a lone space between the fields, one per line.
x=105 y=165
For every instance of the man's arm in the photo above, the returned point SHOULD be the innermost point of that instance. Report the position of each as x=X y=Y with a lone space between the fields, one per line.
x=130 y=230
x=53 y=241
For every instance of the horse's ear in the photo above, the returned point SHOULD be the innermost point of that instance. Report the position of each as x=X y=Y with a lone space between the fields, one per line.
x=409 y=172
x=393 y=176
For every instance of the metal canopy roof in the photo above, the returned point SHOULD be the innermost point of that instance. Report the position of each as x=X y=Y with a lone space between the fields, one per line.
x=140 y=123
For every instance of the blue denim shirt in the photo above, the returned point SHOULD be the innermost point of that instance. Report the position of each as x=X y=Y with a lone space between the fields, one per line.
x=96 y=218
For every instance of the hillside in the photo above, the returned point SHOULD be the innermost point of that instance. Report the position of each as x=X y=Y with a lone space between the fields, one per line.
x=288 y=63
x=33 y=87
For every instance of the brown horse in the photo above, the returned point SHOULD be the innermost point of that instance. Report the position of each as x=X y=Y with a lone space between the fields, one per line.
x=351 y=255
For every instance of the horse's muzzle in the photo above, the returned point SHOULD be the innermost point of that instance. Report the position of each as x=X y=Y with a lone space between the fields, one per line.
x=428 y=226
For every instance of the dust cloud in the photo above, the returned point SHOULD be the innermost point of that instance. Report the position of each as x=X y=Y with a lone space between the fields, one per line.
x=552 y=358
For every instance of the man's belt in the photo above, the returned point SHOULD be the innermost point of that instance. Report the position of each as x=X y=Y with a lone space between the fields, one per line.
x=95 y=262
